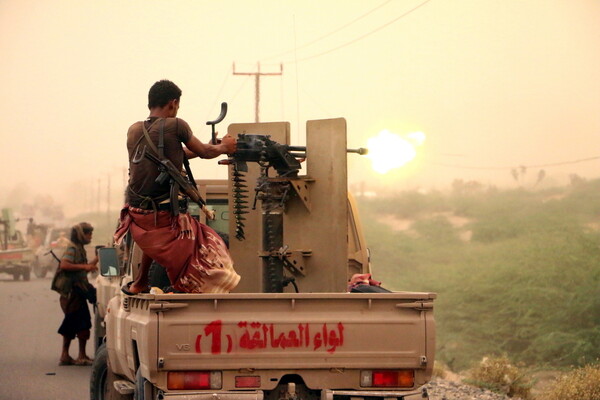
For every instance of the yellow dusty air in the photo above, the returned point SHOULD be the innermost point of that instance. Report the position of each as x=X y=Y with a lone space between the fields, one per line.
x=389 y=150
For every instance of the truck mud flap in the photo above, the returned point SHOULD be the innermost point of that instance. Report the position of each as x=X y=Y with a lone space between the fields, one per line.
x=249 y=395
x=366 y=394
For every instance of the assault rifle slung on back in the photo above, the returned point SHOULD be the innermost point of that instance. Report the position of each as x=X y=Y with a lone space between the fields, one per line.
x=168 y=170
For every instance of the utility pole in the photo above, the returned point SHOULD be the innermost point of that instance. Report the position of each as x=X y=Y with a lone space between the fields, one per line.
x=108 y=204
x=98 y=194
x=257 y=76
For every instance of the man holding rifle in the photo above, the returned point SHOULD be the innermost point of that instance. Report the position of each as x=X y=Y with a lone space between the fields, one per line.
x=195 y=257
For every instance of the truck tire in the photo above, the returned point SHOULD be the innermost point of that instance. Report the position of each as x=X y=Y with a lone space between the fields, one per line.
x=39 y=270
x=143 y=388
x=16 y=275
x=99 y=331
x=26 y=273
x=101 y=381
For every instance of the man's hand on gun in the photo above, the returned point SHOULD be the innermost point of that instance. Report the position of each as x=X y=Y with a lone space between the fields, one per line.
x=228 y=143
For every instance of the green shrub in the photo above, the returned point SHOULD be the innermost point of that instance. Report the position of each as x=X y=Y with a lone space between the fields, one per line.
x=581 y=384
x=499 y=375
x=409 y=204
x=436 y=229
x=439 y=370
x=526 y=285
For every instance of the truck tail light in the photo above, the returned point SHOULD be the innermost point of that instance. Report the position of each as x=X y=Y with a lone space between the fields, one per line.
x=247 y=381
x=194 y=380
x=388 y=378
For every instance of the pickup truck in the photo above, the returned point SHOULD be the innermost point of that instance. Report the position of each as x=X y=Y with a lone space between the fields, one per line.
x=51 y=249
x=16 y=258
x=303 y=336
x=17 y=262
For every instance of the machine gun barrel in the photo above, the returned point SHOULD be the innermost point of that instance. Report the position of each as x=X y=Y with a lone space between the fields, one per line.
x=361 y=150
x=295 y=148
x=260 y=148
x=295 y=151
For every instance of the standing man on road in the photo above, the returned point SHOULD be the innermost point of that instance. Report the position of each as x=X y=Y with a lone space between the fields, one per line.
x=75 y=290
x=194 y=256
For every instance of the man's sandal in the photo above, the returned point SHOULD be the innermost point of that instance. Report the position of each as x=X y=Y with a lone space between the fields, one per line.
x=83 y=362
x=125 y=289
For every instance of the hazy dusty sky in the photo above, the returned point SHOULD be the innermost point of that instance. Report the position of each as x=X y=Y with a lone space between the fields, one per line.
x=493 y=84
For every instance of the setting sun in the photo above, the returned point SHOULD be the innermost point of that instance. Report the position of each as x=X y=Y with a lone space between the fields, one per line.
x=389 y=150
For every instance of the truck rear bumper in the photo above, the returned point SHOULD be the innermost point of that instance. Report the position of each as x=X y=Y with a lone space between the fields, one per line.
x=418 y=394
x=250 y=395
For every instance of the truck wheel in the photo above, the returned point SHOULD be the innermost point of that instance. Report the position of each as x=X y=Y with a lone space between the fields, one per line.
x=99 y=331
x=38 y=270
x=143 y=388
x=101 y=381
x=139 y=386
x=15 y=276
x=26 y=274
x=98 y=389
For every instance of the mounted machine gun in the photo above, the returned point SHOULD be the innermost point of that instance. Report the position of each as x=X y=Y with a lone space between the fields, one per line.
x=274 y=190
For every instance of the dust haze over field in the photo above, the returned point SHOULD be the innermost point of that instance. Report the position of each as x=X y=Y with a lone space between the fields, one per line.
x=494 y=85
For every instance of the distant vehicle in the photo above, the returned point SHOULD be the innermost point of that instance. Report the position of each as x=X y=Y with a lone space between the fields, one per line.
x=55 y=241
x=15 y=257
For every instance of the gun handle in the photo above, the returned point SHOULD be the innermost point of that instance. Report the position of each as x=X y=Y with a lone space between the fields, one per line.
x=210 y=214
x=216 y=121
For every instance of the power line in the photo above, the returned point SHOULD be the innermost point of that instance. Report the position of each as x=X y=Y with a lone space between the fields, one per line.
x=520 y=166
x=361 y=37
x=330 y=33
x=240 y=88
x=564 y=162
x=219 y=93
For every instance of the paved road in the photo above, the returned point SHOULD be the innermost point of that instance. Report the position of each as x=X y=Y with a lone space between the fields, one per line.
x=30 y=346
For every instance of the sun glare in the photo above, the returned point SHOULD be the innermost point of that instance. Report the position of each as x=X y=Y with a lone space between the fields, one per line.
x=389 y=150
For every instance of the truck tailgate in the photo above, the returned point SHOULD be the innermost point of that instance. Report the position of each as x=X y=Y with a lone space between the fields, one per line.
x=14 y=254
x=293 y=331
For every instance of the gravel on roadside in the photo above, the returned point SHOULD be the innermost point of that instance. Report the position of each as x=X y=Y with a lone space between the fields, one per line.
x=442 y=389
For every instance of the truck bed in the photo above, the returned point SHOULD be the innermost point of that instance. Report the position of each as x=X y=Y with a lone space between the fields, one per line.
x=284 y=332
x=16 y=255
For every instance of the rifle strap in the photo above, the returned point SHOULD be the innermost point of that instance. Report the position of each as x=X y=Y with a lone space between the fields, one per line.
x=175 y=187
x=174 y=190
x=160 y=139
x=145 y=135
x=188 y=171
x=174 y=198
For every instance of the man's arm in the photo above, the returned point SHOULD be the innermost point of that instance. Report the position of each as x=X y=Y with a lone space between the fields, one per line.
x=195 y=148
x=67 y=265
